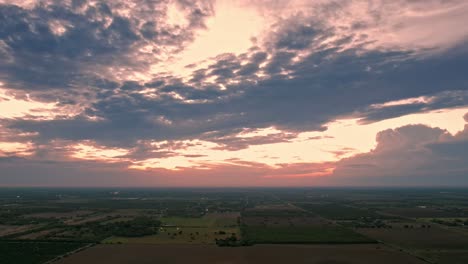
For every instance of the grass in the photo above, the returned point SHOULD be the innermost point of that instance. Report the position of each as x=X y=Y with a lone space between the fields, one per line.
x=302 y=235
x=415 y=212
x=339 y=212
x=181 y=235
x=188 y=221
x=187 y=230
x=209 y=220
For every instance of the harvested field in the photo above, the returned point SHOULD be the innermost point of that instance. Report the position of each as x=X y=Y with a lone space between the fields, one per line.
x=418 y=238
x=119 y=219
x=259 y=254
x=39 y=234
x=285 y=221
x=91 y=218
x=448 y=256
x=6 y=230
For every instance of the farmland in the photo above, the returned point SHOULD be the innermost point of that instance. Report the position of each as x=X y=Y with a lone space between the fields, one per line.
x=33 y=252
x=302 y=235
x=182 y=235
x=339 y=211
x=310 y=254
x=235 y=225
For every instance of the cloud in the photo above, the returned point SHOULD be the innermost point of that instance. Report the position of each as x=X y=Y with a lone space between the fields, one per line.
x=408 y=155
x=303 y=99
x=376 y=24
x=69 y=44
x=90 y=72
x=320 y=87
x=413 y=154
x=403 y=107
x=18 y=171
x=89 y=173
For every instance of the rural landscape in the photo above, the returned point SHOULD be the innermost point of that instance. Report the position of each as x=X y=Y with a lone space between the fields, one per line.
x=232 y=225
x=233 y=131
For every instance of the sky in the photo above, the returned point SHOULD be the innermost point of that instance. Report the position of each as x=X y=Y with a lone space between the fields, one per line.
x=179 y=93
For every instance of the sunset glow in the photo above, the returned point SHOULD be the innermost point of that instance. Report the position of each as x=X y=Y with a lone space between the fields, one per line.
x=234 y=93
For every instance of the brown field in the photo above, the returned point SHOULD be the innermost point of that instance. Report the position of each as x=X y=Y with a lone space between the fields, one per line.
x=39 y=234
x=448 y=257
x=119 y=219
x=285 y=221
x=134 y=212
x=417 y=237
x=6 y=230
x=91 y=218
x=310 y=254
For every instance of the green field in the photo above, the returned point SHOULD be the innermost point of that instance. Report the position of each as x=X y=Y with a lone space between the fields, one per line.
x=32 y=252
x=209 y=220
x=338 y=211
x=304 y=234
x=188 y=221
x=181 y=235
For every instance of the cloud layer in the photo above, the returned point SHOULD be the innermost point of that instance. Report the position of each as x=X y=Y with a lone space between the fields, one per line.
x=88 y=82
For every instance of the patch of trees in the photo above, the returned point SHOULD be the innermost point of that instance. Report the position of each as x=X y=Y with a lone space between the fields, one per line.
x=140 y=226
x=421 y=226
x=370 y=223
x=452 y=222
x=17 y=218
x=230 y=241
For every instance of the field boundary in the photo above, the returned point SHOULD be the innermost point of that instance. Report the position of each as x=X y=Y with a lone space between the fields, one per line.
x=70 y=253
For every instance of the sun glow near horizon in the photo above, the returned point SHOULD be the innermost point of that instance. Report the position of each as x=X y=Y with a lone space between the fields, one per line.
x=343 y=138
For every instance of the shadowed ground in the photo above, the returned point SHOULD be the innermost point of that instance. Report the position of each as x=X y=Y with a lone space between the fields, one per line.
x=310 y=254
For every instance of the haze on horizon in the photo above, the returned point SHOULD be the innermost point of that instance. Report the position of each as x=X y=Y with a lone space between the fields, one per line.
x=233 y=93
